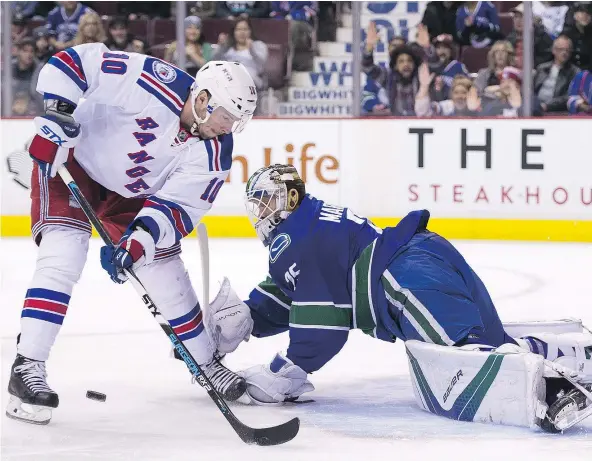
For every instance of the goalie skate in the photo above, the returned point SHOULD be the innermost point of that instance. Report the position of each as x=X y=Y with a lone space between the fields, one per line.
x=568 y=410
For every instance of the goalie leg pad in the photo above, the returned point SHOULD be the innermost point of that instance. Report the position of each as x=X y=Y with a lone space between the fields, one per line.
x=572 y=351
x=519 y=329
x=467 y=385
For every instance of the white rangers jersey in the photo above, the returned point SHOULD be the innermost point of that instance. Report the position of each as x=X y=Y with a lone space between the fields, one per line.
x=128 y=106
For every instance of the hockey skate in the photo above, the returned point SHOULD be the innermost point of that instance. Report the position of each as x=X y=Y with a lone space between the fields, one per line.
x=31 y=399
x=230 y=385
x=570 y=407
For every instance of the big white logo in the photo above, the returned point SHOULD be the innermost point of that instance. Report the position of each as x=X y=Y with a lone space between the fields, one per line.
x=278 y=245
x=164 y=72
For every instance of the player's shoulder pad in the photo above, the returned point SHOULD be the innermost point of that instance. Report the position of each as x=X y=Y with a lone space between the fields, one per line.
x=220 y=152
x=167 y=83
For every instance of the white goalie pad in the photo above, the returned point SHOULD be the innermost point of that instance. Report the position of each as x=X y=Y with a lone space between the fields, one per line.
x=471 y=385
x=519 y=329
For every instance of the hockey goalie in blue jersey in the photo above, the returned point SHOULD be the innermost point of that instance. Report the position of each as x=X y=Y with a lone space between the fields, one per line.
x=331 y=271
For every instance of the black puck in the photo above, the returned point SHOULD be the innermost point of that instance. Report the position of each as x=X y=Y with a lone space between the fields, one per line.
x=96 y=396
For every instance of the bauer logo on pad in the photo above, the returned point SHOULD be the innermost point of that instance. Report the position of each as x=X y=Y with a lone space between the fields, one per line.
x=278 y=245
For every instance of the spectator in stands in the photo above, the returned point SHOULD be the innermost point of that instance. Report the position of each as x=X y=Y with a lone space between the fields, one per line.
x=18 y=31
x=508 y=99
x=580 y=94
x=197 y=50
x=440 y=18
x=23 y=65
x=63 y=22
x=242 y=47
x=552 y=16
x=300 y=15
x=90 y=29
x=396 y=42
x=372 y=40
x=542 y=41
x=375 y=99
x=500 y=56
x=43 y=49
x=373 y=71
x=236 y=10
x=552 y=79
x=403 y=83
x=203 y=9
x=139 y=45
x=580 y=33
x=22 y=106
x=477 y=24
x=455 y=106
x=440 y=61
x=24 y=10
x=119 y=37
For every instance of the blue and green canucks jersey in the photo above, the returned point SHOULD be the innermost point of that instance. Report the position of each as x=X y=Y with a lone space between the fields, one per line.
x=309 y=287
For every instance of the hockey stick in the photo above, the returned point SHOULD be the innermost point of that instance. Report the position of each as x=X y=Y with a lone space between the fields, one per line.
x=204 y=252
x=274 y=435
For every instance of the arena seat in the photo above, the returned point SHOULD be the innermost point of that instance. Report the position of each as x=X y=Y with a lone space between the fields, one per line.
x=505 y=7
x=506 y=23
x=474 y=58
x=275 y=68
x=163 y=31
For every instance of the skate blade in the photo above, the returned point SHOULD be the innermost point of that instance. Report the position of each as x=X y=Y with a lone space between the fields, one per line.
x=33 y=414
x=573 y=418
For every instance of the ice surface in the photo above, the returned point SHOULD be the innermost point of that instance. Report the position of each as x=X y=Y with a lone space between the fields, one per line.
x=364 y=405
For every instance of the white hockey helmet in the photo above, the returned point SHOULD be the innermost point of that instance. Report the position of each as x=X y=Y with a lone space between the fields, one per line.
x=271 y=195
x=230 y=87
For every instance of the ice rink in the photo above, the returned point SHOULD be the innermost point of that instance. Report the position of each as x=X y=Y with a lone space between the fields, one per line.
x=364 y=405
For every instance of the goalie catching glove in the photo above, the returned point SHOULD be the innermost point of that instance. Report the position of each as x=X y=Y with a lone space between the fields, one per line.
x=280 y=381
x=229 y=320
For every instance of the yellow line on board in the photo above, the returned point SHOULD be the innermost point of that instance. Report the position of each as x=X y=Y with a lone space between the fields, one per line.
x=453 y=228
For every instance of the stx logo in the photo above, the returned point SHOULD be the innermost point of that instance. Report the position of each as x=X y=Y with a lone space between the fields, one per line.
x=150 y=305
x=455 y=379
x=52 y=136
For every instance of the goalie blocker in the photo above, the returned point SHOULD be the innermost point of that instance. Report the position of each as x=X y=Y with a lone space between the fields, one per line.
x=506 y=385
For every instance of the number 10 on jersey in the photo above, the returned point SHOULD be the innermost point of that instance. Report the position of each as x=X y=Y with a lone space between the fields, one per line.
x=212 y=190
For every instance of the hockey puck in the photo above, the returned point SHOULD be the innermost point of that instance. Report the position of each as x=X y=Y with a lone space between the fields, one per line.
x=96 y=396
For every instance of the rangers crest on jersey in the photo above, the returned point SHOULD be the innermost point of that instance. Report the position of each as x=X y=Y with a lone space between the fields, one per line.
x=164 y=72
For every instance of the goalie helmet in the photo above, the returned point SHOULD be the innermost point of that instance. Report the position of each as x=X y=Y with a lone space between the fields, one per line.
x=272 y=194
x=230 y=86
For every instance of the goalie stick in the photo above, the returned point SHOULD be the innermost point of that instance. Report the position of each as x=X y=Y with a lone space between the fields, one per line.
x=274 y=435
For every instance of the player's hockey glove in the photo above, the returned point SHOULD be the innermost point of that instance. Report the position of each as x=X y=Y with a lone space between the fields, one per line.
x=278 y=382
x=56 y=135
x=229 y=320
x=136 y=248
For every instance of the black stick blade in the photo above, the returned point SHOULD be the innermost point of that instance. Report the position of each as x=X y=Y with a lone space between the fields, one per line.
x=275 y=435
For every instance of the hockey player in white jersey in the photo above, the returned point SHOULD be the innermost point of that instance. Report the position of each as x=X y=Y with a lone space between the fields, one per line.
x=150 y=148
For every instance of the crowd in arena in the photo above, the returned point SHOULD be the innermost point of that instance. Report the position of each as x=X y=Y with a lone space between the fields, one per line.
x=465 y=60
x=430 y=76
